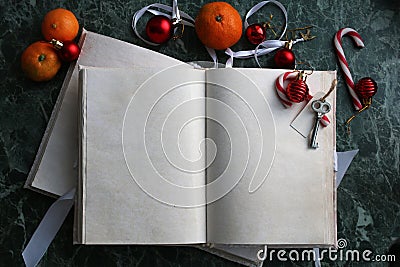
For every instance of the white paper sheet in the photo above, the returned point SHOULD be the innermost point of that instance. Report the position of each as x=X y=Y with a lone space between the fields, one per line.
x=299 y=189
x=116 y=207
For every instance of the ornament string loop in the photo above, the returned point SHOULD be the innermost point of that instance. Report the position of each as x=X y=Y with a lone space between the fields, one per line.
x=333 y=86
x=178 y=18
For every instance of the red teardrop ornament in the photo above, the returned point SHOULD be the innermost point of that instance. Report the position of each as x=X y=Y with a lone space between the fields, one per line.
x=285 y=59
x=366 y=88
x=159 y=29
x=256 y=33
x=297 y=90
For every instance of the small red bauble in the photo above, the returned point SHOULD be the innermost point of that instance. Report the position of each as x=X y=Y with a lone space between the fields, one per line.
x=68 y=51
x=366 y=88
x=159 y=29
x=285 y=59
x=256 y=33
x=297 y=90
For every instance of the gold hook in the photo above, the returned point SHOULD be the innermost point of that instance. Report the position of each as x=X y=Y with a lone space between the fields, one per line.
x=267 y=26
x=302 y=74
x=367 y=103
x=312 y=70
x=301 y=29
x=178 y=23
x=307 y=36
x=308 y=64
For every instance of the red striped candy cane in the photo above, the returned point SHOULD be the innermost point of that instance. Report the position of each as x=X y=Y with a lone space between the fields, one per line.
x=281 y=91
x=325 y=121
x=343 y=62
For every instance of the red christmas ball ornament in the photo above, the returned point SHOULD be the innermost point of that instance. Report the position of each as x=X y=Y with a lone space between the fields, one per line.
x=68 y=51
x=159 y=29
x=256 y=33
x=366 y=88
x=285 y=58
x=297 y=91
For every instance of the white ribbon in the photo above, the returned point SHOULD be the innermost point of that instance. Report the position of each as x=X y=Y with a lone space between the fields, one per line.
x=265 y=47
x=317 y=257
x=258 y=6
x=262 y=49
x=213 y=55
x=175 y=11
x=269 y=46
x=179 y=16
x=48 y=229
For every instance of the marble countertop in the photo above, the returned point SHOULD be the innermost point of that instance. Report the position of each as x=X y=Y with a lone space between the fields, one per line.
x=368 y=198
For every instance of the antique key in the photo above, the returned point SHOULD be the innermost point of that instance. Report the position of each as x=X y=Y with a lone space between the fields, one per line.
x=320 y=107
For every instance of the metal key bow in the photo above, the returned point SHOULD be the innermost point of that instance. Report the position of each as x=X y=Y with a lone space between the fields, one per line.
x=320 y=107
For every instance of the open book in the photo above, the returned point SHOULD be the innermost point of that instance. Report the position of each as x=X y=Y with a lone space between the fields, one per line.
x=193 y=156
x=54 y=171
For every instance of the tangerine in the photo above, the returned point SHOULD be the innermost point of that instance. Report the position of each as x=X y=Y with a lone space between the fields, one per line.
x=60 y=24
x=40 y=61
x=218 y=25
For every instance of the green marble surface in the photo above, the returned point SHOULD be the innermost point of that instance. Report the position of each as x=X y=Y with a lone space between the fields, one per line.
x=368 y=198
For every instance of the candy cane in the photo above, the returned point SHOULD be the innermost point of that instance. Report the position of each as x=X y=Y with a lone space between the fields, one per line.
x=325 y=121
x=281 y=91
x=343 y=62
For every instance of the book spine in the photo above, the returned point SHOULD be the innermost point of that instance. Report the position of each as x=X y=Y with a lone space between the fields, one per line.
x=79 y=233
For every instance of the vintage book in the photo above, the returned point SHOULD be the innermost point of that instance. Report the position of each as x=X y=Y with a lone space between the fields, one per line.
x=194 y=156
